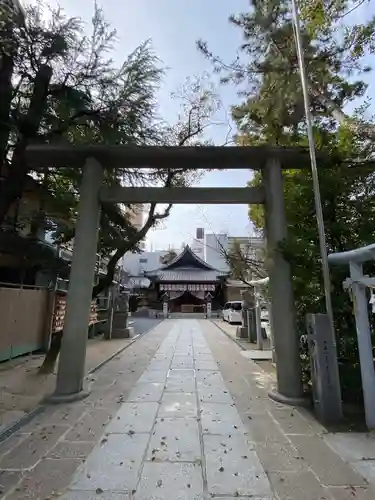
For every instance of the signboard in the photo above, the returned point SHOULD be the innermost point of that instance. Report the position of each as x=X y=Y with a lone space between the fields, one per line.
x=180 y=287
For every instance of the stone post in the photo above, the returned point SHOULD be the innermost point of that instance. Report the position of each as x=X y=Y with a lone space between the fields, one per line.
x=209 y=309
x=258 y=322
x=208 y=298
x=288 y=363
x=248 y=329
x=120 y=327
x=165 y=309
x=71 y=368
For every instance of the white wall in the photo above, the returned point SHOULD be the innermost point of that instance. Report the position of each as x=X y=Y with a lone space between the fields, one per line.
x=213 y=247
x=136 y=263
x=198 y=248
x=215 y=244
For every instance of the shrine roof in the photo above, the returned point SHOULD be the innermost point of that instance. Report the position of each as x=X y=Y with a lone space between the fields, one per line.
x=188 y=275
x=187 y=267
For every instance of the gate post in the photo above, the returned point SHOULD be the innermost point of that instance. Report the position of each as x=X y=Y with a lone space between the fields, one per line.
x=71 y=368
x=288 y=363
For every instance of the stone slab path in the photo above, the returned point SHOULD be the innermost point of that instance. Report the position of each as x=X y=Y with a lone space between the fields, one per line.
x=178 y=436
x=182 y=415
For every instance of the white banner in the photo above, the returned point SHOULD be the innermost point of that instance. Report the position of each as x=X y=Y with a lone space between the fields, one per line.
x=180 y=287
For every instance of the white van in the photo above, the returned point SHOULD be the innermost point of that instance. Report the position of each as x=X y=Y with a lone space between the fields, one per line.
x=232 y=312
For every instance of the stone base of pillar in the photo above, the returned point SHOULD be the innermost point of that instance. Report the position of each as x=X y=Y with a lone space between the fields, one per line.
x=241 y=332
x=290 y=401
x=123 y=333
x=66 y=398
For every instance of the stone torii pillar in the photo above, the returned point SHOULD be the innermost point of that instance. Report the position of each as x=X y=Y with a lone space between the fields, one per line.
x=71 y=367
x=288 y=363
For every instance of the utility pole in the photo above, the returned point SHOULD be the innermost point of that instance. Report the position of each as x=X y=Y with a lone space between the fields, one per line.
x=315 y=178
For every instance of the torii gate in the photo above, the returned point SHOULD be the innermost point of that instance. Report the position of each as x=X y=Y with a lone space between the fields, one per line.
x=94 y=159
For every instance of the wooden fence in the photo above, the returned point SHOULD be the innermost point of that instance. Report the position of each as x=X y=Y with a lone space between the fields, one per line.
x=29 y=316
x=24 y=320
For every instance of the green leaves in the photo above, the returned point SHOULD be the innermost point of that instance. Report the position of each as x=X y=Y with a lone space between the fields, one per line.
x=266 y=71
x=266 y=74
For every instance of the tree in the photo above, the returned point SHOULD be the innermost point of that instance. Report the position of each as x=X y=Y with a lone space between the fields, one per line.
x=85 y=99
x=245 y=262
x=169 y=256
x=266 y=65
x=65 y=87
x=272 y=114
x=349 y=217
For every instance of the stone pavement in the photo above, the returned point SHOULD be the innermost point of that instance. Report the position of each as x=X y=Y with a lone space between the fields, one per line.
x=22 y=387
x=40 y=459
x=191 y=420
x=244 y=343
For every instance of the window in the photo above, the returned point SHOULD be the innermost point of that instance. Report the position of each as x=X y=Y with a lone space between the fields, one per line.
x=236 y=306
x=143 y=260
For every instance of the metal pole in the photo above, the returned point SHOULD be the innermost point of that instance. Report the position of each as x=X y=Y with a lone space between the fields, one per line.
x=317 y=197
x=314 y=169
x=364 y=343
x=71 y=368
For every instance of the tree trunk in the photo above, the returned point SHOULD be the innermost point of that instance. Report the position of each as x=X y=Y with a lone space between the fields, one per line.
x=104 y=283
x=12 y=188
x=6 y=71
x=49 y=362
x=7 y=53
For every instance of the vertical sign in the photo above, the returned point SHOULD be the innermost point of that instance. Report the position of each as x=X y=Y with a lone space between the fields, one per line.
x=165 y=309
x=209 y=309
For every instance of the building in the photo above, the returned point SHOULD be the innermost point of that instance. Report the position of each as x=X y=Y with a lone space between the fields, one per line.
x=188 y=282
x=209 y=249
x=26 y=249
x=137 y=264
x=215 y=248
x=220 y=251
x=198 y=244
x=250 y=250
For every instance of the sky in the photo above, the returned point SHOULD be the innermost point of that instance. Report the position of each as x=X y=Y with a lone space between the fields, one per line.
x=174 y=26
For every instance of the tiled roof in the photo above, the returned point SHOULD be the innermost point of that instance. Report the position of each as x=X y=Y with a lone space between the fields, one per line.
x=188 y=275
x=188 y=258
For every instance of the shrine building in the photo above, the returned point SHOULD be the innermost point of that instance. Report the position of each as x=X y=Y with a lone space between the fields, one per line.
x=187 y=282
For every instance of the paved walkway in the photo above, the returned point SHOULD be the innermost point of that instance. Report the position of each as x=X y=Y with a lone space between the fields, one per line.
x=181 y=415
x=22 y=387
x=179 y=434
x=231 y=330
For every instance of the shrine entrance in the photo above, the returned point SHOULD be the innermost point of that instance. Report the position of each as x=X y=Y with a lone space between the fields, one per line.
x=187 y=302
x=95 y=159
x=187 y=282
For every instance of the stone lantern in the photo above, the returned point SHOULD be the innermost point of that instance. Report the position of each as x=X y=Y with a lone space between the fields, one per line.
x=120 y=326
